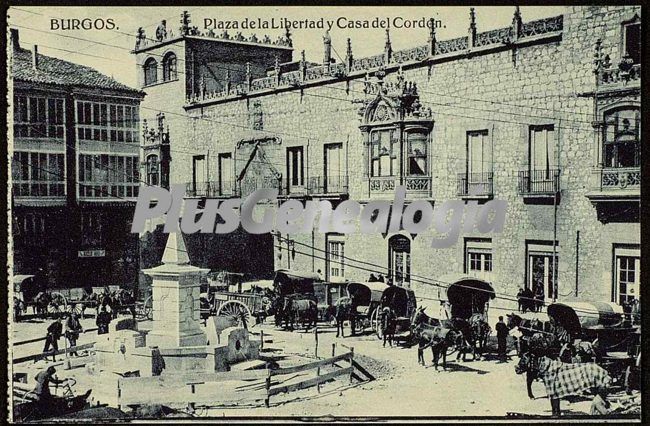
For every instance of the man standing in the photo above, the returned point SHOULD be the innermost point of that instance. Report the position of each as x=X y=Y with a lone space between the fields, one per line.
x=103 y=320
x=54 y=332
x=502 y=334
x=72 y=330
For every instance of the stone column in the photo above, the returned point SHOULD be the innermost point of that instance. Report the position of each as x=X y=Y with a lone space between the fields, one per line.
x=176 y=294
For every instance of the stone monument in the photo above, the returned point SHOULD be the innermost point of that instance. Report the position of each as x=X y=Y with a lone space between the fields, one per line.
x=176 y=298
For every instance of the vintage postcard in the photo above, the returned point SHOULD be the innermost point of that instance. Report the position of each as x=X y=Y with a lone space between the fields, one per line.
x=301 y=213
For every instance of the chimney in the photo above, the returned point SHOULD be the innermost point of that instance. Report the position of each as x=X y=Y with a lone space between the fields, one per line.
x=35 y=57
x=15 y=39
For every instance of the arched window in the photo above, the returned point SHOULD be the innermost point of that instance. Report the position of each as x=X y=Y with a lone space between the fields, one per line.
x=169 y=67
x=153 y=170
x=150 y=71
x=621 y=136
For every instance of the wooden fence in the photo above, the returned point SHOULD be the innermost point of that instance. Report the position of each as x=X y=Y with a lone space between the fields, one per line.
x=249 y=386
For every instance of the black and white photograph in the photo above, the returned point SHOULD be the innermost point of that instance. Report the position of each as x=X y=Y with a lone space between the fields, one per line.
x=222 y=213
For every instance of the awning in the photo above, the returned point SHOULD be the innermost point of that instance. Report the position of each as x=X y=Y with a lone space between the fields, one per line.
x=467 y=295
x=365 y=293
x=290 y=282
x=574 y=316
x=401 y=300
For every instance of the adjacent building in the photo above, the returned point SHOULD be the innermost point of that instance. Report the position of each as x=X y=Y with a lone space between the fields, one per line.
x=75 y=171
x=543 y=114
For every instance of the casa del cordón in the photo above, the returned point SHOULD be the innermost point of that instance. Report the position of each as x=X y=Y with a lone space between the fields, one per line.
x=543 y=114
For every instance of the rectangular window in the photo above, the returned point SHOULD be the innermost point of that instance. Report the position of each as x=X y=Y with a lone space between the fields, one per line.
x=105 y=176
x=226 y=181
x=295 y=167
x=37 y=117
x=335 y=258
x=542 y=280
x=627 y=274
x=383 y=153
x=38 y=174
x=91 y=229
x=478 y=179
x=542 y=152
x=334 y=180
x=632 y=41
x=417 y=153
x=107 y=122
x=478 y=258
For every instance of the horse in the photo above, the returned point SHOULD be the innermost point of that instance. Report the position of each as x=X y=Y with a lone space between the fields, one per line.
x=480 y=331
x=344 y=311
x=438 y=338
x=562 y=379
x=388 y=324
x=304 y=310
x=41 y=302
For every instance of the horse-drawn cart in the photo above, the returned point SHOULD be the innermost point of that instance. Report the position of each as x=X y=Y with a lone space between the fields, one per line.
x=366 y=303
x=601 y=325
x=246 y=301
x=327 y=295
x=295 y=298
x=402 y=302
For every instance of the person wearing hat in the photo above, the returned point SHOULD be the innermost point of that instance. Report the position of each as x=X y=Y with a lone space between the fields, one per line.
x=42 y=389
x=72 y=330
x=54 y=332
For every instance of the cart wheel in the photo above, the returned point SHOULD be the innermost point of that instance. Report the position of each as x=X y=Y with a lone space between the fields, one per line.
x=236 y=310
x=58 y=305
x=77 y=308
x=144 y=310
x=375 y=323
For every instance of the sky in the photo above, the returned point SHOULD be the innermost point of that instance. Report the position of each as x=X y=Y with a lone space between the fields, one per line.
x=108 y=50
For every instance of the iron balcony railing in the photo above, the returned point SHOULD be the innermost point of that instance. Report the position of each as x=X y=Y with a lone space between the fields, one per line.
x=211 y=189
x=231 y=188
x=539 y=182
x=331 y=184
x=475 y=184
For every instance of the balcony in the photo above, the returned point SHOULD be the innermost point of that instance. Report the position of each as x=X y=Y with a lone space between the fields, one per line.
x=539 y=184
x=328 y=185
x=223 y=189
x=616 y=184
x=475 y=185
x=384 y=186
x=229 y=189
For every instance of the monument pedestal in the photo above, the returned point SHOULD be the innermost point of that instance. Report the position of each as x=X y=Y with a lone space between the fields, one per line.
x=176 y=299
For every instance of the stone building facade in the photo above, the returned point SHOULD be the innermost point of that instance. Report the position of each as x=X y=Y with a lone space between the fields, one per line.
x=543 y=115
x=75 y=172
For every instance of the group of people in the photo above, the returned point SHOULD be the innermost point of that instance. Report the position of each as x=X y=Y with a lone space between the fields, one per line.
x=530 y=300
x=73 y=329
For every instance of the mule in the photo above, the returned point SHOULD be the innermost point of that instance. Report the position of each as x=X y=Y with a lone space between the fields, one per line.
x=439 y=339
x=344 y=312
x=304 y=311
x=388 y=325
